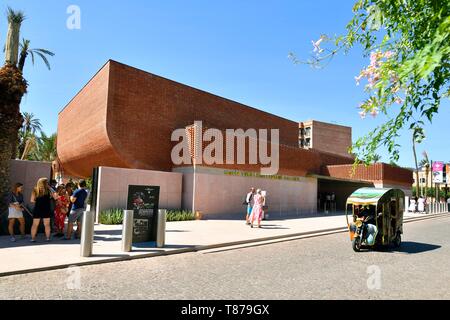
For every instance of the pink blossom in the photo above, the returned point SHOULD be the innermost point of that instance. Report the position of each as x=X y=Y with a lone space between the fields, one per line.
x=399 y=100
x=374 y=112
x=362 y=114
x=374 y=58
x=358 y=79
x=388 y=54
x=316 y=45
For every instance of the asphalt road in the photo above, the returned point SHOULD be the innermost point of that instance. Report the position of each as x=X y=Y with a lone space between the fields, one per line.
x=316 y=268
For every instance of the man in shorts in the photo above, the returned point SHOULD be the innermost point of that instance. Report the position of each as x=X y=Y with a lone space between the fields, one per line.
x=78 y=200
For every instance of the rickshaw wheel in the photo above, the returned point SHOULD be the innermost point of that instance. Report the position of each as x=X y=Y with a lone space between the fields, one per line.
x=356 y=244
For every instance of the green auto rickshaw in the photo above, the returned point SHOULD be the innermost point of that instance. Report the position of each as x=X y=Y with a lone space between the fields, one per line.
x=376 y=217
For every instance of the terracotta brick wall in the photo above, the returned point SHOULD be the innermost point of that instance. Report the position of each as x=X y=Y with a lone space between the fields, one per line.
x=124 y=117
x=379 y=172
x=292 y=161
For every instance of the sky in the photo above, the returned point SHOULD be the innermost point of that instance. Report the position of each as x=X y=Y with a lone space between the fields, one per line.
x=237 y=49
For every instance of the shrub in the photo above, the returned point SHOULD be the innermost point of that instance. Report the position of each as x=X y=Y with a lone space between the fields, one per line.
x=111 y=216
x=180 y=215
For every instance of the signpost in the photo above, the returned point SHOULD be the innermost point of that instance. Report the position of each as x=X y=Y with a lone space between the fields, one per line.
x=438 y=172
x=144 y=201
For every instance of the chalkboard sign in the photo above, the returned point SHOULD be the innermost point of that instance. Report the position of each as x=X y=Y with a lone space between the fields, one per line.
x=144 y=201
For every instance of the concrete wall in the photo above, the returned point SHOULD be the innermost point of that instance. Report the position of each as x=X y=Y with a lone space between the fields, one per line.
x=113 y=187
x=221 y=195
x=28 y=173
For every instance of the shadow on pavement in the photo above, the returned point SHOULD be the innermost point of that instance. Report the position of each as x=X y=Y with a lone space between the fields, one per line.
x=109 y=232
x=276 y=216
x=6 y=244
x=411 y=247
x=272 y=226
x=110 y=255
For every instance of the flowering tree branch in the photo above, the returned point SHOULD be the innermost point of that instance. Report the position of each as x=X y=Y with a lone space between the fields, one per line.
x=408 y=42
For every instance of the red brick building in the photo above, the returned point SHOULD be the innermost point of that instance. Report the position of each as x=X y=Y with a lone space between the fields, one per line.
x=124 y=118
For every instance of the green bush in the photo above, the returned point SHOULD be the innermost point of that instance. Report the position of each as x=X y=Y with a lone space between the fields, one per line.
x=180 y=215
x=111 y=216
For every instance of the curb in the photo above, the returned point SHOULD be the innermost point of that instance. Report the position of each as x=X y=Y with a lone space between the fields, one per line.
x=256 y=242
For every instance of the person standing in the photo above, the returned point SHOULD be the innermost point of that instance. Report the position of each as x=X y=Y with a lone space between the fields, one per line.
x=249 y=202
x=15 y=209
x=41 y=198
x=257 y=208
x=78 y=200
x=62 y=204
x=413 y=205
x=69 y=190
x=421 y=205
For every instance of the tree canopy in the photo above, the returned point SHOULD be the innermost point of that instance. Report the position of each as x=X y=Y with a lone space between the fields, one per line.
x=408 y=42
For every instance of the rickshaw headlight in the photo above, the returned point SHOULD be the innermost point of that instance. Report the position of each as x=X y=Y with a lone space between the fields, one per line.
x=358 y=223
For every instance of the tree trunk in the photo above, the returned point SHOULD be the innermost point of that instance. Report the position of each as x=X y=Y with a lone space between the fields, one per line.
x=417 y=168
x=22 y=59
x=12 y=89
x=11 y=120
x=12 y=44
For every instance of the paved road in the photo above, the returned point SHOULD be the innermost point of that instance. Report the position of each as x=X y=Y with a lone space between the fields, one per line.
x=315 y=268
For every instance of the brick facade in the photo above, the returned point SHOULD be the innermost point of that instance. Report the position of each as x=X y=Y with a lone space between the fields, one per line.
x=124 y=117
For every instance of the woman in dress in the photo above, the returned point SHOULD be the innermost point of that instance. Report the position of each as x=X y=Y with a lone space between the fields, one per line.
x=16 y=211
x=62 y=205
x=413 y=205
x=257 y=210
x=421 y=205
x=40 y=197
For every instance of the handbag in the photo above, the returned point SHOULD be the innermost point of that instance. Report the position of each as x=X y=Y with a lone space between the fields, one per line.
x=14 y=212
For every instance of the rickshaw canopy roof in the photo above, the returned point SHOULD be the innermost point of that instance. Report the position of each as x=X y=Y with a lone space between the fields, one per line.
x=367 y=196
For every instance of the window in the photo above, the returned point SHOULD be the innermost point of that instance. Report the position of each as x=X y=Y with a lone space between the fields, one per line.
x=308 y=131
x=302 y=143
x=308 y=142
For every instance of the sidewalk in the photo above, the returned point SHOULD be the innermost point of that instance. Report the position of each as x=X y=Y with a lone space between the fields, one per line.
x=23 y=256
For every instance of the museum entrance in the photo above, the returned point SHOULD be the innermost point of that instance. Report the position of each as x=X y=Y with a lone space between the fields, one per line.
x=332 y=194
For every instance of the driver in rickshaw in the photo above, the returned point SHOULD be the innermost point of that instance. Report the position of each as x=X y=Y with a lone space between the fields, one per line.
x=367 y=214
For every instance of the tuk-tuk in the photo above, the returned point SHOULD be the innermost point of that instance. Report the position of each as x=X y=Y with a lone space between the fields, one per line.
x=377 y=217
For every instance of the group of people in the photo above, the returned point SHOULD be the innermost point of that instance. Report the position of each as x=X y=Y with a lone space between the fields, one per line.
x=255 y=202
x=50 y=202
x=417 y=205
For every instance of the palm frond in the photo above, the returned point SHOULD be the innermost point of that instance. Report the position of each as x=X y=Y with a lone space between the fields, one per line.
x=32 y=56
x=44 y=51
x=15 y=16
x=44 y=58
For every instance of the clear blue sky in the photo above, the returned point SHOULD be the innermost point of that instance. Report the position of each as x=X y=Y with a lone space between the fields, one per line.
x=235 y=49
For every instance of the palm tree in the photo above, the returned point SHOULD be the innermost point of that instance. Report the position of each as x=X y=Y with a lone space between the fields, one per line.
x=45 y=149
x=25 y=51
x=12 y=88
x=15 y=19
x=425 y=163
x=27 y=134
x=30 y=143
x=31 y=124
